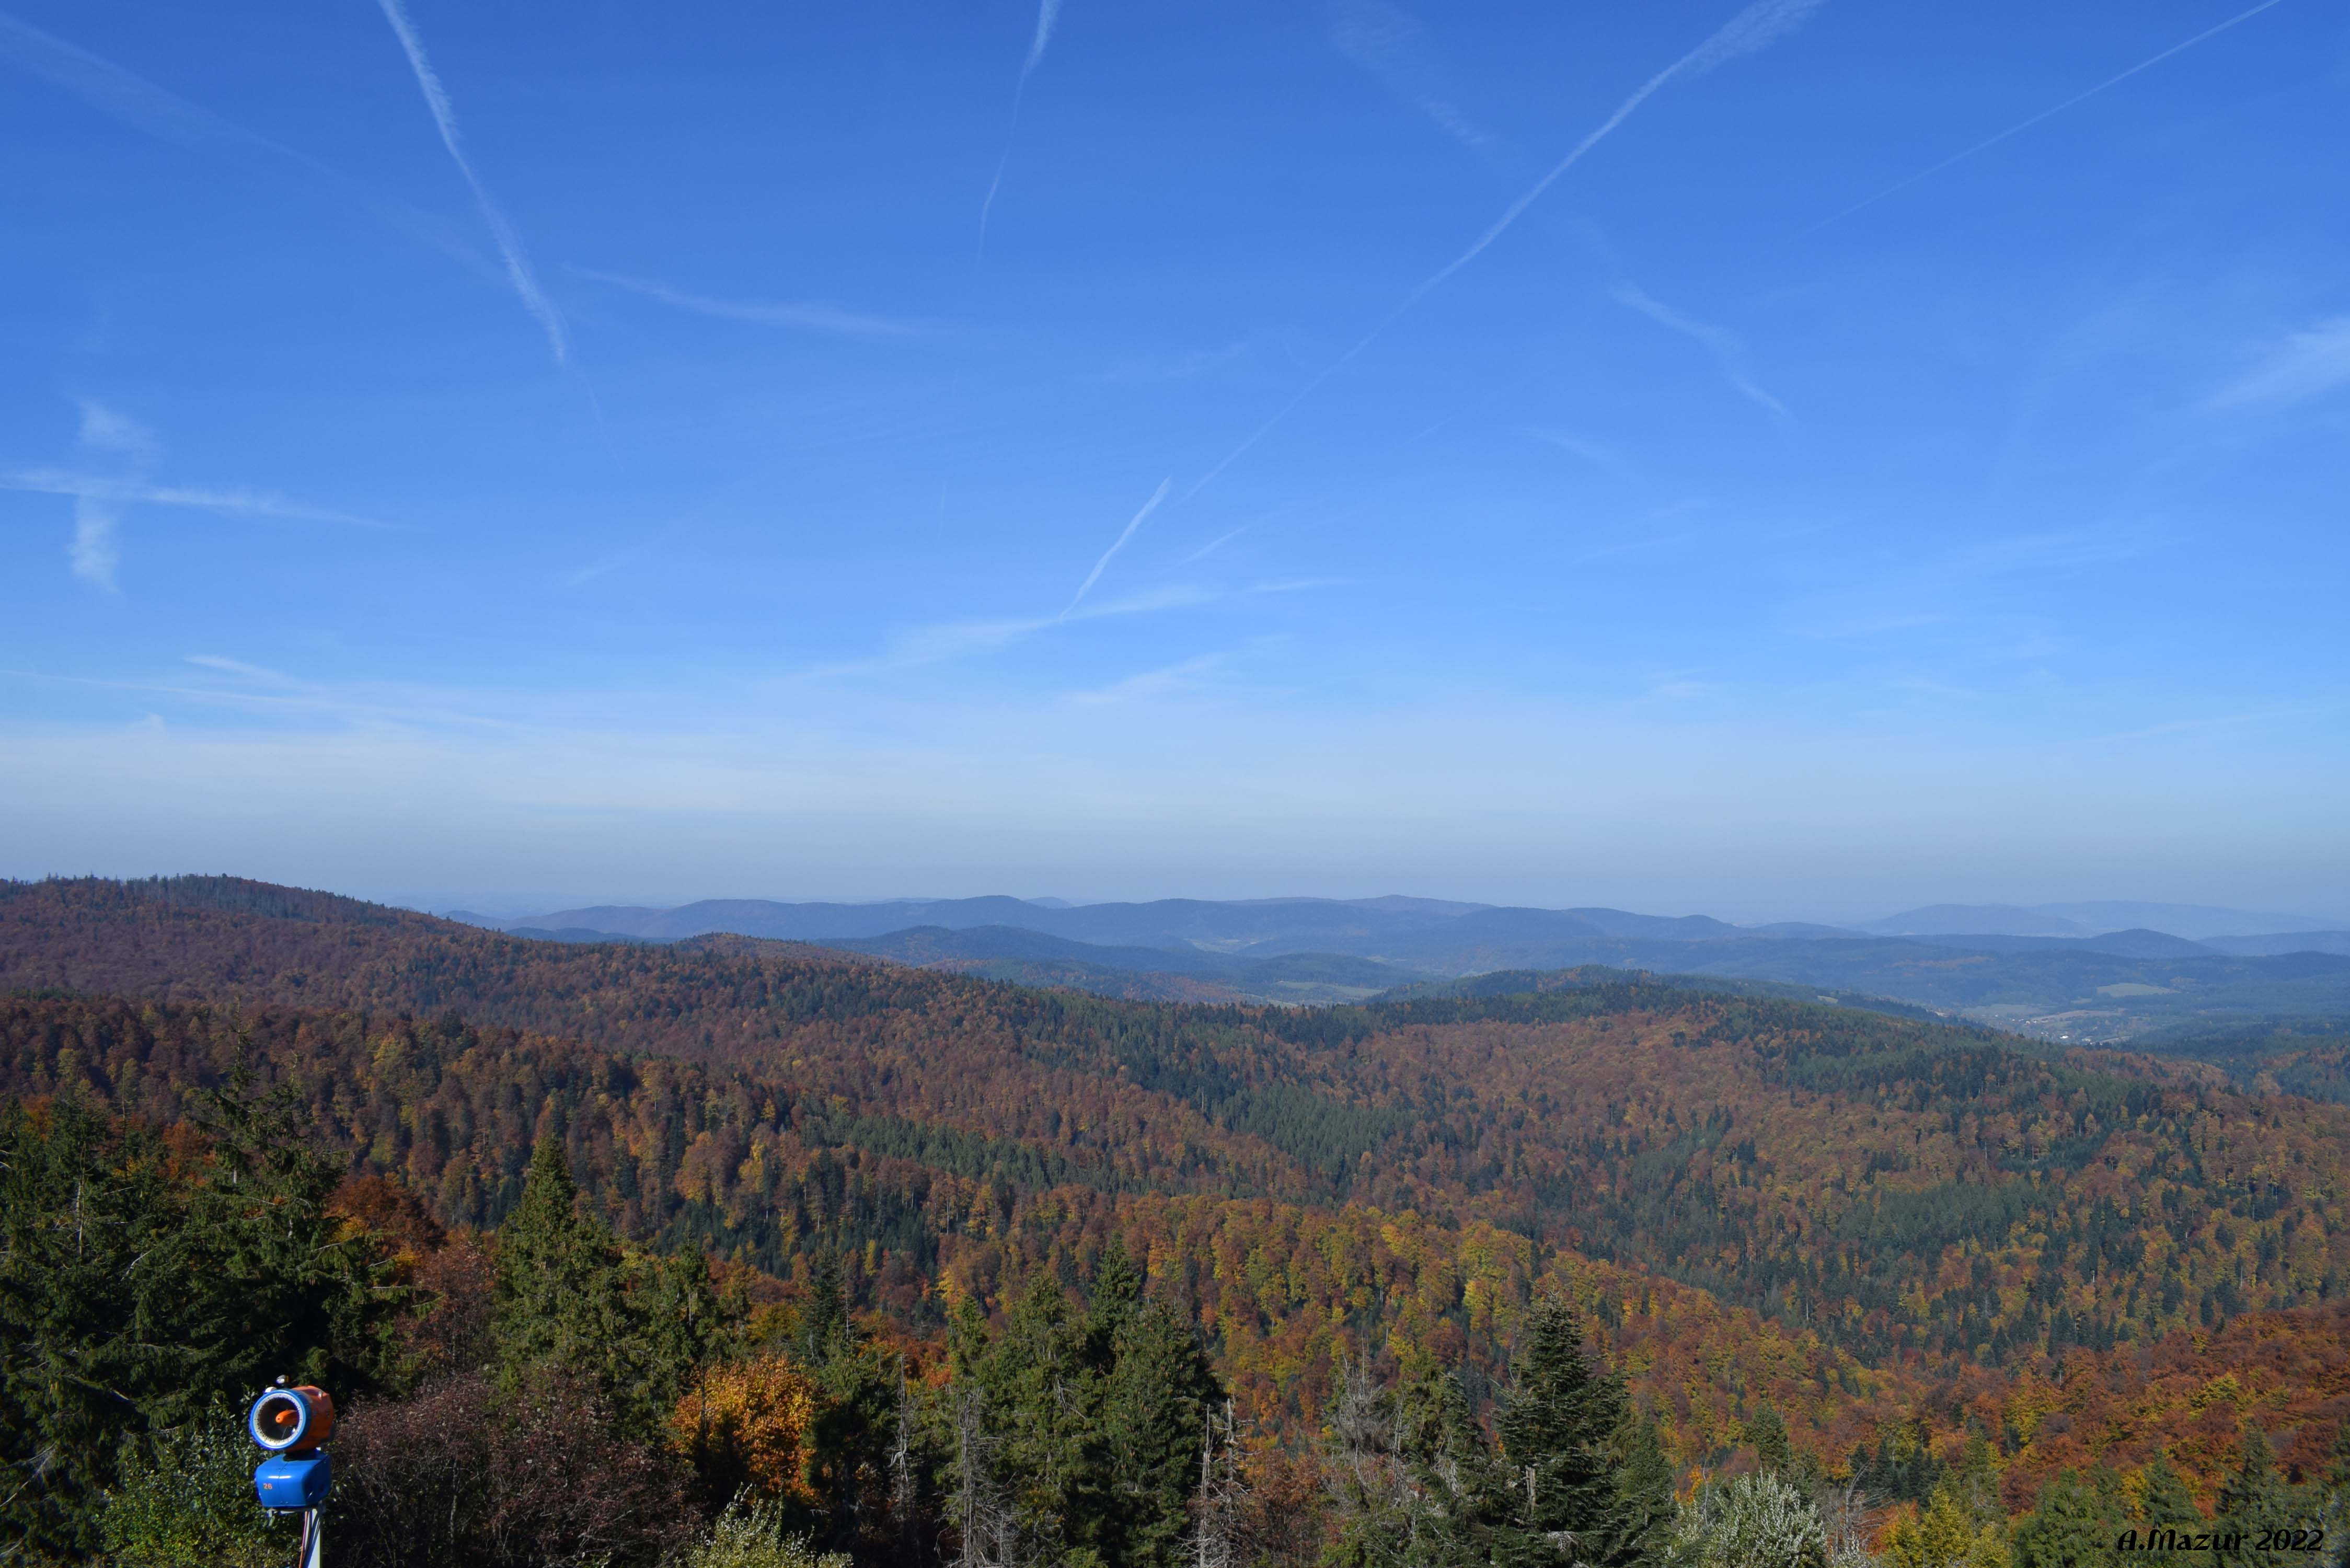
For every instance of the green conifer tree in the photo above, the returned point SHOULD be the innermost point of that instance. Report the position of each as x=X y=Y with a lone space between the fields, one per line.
x=2330 y=1513
x=1116 y=1288
x=2072 y=1526
x=1766 y=1434
x=1460 y=1487
x=1154 y=1411
x=1644 y=1488
x=560 y=1307
x=681 y=1322
x=2166 y=1503
x=825 y=1326
x=2255 y=1502
x=1560 y=1427
x=1974 y=1482
x=1042 y=1400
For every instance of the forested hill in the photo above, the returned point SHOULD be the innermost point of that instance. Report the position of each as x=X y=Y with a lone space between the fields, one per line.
x=741 y=1164
x=1907 y=1204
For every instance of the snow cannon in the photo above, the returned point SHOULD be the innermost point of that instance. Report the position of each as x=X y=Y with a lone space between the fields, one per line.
x=288 y=1424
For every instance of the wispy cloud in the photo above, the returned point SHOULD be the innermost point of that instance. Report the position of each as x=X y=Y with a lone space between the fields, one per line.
x=1174 y=367
x=1729 y=350
x=509 y=242
x=941 y=642
x=103 y=430
x=239 y=667
x=96 y=547
x=1389 y=47
x=1093 y=576
x=1181 y=675
x=101 y=499
x=1581 y=446
x=807 y=316
x=606 y=565
x=1678 y=686
x=1973 y=582
x=111 y=492
x=124 y=95
x=2179 y=727
x=1216 y=544
x=1756 y=27
x=2313 y=361
x=1048 y=14
x=2023 y=125
x=135 y=101
x=301 y=698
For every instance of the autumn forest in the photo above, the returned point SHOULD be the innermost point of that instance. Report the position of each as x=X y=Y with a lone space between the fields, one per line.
x=738 y=1252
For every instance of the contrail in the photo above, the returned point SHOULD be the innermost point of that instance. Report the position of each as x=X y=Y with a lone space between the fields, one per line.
x=140 y=104
x=2046 y=114
x=1756 y=27
x=509 y=243
x=1093 y=576
x=1216 y=544
x=1729 y=350
x=97 y=489
x=812 y=317
x=1047 y=13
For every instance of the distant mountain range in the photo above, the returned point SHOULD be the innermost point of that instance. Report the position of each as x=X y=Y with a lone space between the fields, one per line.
x=1259 y=925
x=2195 y=922
x=1234 y=924
x=2039 y=971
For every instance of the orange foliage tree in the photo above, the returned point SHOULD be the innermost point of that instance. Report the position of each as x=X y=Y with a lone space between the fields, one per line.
x=748 y=1425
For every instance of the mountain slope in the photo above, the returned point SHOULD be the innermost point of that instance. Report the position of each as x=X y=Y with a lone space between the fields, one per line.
x=1875 y=1219
x=1751 y=1146
x=748 y=1164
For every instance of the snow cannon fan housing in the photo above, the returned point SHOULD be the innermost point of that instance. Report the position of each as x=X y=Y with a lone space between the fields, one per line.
x=291 y=1421
x=289 y=1424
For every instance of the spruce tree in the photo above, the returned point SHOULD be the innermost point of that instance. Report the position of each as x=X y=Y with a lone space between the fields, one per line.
x=2331 y=1511
x=825 y=1328
x=560 y=1307
x=1766 y=1434
x=2072 y=1526
x=1560 y=1430
x=1042 y=1400
x=2256 y=1501
x=1118 y=1287
x=2166 y=1503
x=1460 y=1490
x=681 y=1323
x=1644 y=1490
x=1154 y=1413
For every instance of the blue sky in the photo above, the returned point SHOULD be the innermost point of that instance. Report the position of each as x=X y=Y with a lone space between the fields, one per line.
x=1811 y=458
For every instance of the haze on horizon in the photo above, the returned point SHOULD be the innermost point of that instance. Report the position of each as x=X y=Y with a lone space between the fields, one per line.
x=1805 y=461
